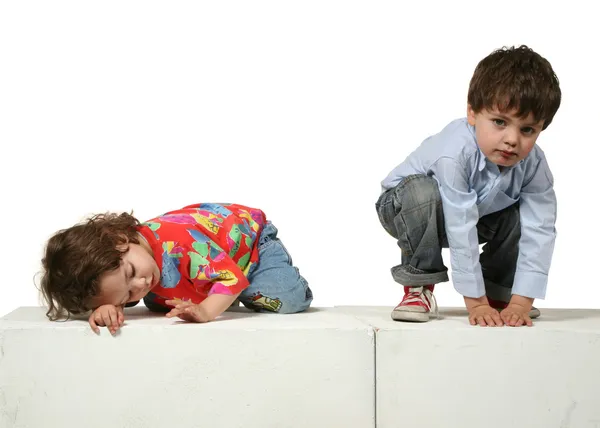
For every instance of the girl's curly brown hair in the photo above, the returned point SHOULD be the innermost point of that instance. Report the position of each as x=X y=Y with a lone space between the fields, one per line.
x=76 y=258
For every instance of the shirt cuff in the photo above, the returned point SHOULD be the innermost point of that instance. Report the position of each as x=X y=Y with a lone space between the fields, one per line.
x=530 y=284
x=469 y=285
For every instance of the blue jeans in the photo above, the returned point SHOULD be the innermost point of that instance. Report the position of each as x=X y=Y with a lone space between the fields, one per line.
x=412 y=212
x=275 y=284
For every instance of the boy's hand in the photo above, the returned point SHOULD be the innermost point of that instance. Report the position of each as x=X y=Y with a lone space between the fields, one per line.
x=516 y=313
x=107 y=315
x=188 y=311
x=485 y=315
x=481 y=313
x=515 y=316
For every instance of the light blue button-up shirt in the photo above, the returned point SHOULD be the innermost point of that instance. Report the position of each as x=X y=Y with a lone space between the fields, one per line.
x=471 y=186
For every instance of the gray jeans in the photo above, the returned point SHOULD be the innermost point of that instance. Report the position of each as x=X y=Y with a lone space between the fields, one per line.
x=412 y=213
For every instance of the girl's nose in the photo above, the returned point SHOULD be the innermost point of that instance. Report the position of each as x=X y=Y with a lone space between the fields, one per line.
x=140 y=284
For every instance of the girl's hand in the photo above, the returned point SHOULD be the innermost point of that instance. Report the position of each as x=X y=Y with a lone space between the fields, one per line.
x=107 y=315
x=188 y=311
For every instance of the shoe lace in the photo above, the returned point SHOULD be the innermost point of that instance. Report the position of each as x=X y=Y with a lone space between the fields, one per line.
x=425 y=295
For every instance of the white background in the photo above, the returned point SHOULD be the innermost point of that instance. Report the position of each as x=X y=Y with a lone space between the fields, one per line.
x=298 y=108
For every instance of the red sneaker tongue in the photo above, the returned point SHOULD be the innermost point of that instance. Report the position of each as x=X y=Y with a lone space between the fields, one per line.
x=428 y=287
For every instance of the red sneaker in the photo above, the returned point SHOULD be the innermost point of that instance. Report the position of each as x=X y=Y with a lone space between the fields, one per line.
x=499 y=305
x=418 y=305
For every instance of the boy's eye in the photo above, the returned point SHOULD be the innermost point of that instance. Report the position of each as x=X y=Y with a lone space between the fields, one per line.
x=132 y=271
x=528 y=130
x=499 y=122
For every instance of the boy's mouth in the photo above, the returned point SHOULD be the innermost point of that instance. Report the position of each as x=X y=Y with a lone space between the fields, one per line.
x=506 y=154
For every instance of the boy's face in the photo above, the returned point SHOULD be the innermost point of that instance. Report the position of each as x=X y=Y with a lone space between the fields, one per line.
x=504 y=138
x=135 y=277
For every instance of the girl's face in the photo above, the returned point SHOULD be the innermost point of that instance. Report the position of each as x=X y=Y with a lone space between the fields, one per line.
x=132 y=280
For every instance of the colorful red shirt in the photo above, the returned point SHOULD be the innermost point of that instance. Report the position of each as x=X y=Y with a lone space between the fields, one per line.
x=204 y=249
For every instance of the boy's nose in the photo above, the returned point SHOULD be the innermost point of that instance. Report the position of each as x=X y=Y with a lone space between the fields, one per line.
x=511 y=137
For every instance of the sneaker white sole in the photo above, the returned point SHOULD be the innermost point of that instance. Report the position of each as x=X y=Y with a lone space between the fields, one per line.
x=424 y=317
x=410 y=316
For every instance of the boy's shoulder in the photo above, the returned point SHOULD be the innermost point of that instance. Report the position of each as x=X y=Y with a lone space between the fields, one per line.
x=536 y=155
x=536 y=163
x=456 y=140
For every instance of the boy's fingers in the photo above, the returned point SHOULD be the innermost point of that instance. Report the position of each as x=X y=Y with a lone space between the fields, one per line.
x=481 y=321
x=489 y=321
x=497 y=319
x=525 y=320
x=514 y=319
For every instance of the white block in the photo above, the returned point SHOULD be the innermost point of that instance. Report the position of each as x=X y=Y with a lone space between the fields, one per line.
x=446 y=373
x=248 y=370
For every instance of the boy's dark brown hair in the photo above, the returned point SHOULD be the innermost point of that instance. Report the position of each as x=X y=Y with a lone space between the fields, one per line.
x=77 y=257
x=516 y=78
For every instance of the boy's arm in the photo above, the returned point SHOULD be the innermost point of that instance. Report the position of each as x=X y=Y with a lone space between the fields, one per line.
x=538 y=233
x=460 y=219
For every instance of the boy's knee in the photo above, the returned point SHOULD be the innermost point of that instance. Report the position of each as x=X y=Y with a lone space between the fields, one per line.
x=418 y=190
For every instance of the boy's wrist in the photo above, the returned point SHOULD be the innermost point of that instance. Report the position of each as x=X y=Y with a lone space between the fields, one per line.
x=526 y=302
x=473 y=302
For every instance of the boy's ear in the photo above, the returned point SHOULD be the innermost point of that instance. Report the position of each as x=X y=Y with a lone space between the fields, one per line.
x=470 y=115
